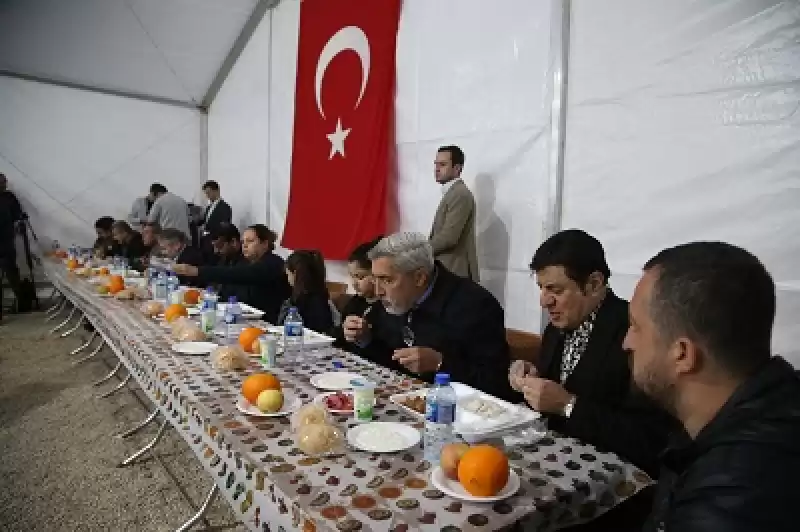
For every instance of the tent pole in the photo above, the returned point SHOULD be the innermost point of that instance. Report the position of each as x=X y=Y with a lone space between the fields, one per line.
x=236 y=50
x=559 y=59
x=98 y=90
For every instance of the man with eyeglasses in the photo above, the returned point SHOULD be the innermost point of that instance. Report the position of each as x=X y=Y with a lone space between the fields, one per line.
x=430 y=319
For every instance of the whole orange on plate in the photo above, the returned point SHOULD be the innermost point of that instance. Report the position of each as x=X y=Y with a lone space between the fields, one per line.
x=483 y=471
x=173 y=312
x=253 y=385
x=191 y=296
x=104 y=271
x=72 y=264
x=248 y=336
x=116 y=284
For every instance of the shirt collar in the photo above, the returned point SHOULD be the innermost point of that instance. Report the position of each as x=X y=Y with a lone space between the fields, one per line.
x=447 y=186
x=425 y=295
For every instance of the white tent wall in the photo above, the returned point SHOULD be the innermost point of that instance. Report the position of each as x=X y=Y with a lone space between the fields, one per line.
x=72 y=156
x=684 y=125
x=489 y=95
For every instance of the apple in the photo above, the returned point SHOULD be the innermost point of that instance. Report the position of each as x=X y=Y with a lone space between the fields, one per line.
x=269 y=401
x=450 y=457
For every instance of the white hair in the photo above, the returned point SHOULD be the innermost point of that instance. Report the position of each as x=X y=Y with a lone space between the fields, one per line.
x=408 y=251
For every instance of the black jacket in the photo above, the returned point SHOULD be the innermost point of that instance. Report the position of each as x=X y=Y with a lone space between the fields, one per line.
x=263 y=283
x=221 y=215
x=355 y=306
x=461 y=320
x=193 y=257
x=132 y=250
x=607 y=413
x=314 y=309
x=740 y=473
x=10 y=213
x=107 y=247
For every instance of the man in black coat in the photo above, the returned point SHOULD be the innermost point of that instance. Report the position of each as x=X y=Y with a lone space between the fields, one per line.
x=261 y=280
x=129 y=242
x=431 y=320
x=700 y=337
x=582 y=381
x=217 y=214
x=174 y=245
x=11 y=214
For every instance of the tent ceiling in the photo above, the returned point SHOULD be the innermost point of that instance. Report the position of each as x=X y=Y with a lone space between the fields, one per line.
x=166 y=49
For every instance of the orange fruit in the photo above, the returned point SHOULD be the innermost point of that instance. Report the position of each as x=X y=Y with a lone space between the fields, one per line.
x=253 y=385
x=116 y=284
x=191 y=296
x=173 y=312
x=248 y=336
x=73 y=264
x=104 y=271
x=483 y=471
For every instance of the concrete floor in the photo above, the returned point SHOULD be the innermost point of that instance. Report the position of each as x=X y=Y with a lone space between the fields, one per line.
x=58 y=459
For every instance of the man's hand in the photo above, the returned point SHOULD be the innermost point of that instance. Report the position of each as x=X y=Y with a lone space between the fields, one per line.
x=418 y=359
x=185 y=269
x=356 y=329
x=518 y=371
x=545 y=396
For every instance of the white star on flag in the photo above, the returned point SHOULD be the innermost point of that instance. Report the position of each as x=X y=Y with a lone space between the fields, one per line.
x=337 y=139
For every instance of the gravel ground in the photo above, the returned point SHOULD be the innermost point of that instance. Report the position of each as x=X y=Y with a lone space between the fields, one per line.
x=58 y=456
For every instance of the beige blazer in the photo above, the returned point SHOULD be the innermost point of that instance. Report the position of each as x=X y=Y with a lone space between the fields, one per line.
x=453 y=233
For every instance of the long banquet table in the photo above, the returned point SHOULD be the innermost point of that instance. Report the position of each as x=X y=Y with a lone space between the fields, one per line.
x=272 y=486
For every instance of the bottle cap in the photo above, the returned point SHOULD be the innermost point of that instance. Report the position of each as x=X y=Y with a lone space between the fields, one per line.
x=442 y=379
x=232 y=299
x=337 y=364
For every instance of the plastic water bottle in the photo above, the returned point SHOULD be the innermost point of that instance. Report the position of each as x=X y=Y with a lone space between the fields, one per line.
x=208 y=312
x=233 y=314
x=440 y=414
x=72 y=251
x=160 y=291
x=173 y=285
x=293 y=335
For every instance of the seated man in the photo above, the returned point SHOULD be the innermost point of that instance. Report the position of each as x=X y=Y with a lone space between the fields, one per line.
x=150 y=232
x=582 y=382
x=431 y=320
x=700 y=341
x=104 y=247
x=261 y=279
x=174 y=245
x=129 y=242
x=227 y=244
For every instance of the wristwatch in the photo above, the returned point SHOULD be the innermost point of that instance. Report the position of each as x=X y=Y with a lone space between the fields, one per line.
x=568 y=407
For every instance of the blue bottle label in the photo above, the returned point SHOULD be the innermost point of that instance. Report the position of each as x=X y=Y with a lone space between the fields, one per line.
x=439 y=413
x=293 y=329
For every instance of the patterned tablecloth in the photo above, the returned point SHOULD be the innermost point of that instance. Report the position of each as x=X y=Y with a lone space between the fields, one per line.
x=273 y=486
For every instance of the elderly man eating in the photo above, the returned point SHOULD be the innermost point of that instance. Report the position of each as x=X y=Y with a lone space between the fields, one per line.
x=431 y=320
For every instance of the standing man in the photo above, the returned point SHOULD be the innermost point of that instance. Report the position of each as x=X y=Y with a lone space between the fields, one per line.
x=139 y=212
x=218 y=212
x=217 y=215
x=453 y=233
x=11 y=215
x=169 y=211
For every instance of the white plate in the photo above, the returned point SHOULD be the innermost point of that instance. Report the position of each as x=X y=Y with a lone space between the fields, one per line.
x=454 y=489
x=398 y=397
x=334 y=380
x=194 y=348
x=383 y=437
x=291 y=402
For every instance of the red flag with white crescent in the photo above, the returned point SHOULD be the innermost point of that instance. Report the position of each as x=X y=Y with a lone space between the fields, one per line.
x=343 y=163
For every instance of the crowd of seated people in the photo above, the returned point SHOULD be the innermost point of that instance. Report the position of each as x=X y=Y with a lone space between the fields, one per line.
x=680 y=382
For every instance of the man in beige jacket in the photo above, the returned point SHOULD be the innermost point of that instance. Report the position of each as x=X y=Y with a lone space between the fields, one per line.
x=453 y=233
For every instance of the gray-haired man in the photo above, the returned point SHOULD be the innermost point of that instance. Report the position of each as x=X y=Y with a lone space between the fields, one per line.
x=431 y=320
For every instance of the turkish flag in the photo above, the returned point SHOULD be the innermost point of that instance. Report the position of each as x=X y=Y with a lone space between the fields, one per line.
x=343 y=152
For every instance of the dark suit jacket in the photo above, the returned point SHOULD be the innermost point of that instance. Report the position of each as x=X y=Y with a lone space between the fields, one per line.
x=461 y=320
x=222 y=214
x=355 y=306
x=314 y=309
x=607 y=413
x=192 y=256
x=262 y=284
x=133 y=250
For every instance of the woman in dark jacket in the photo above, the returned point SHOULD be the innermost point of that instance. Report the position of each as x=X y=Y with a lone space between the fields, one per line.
x=305 y=270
